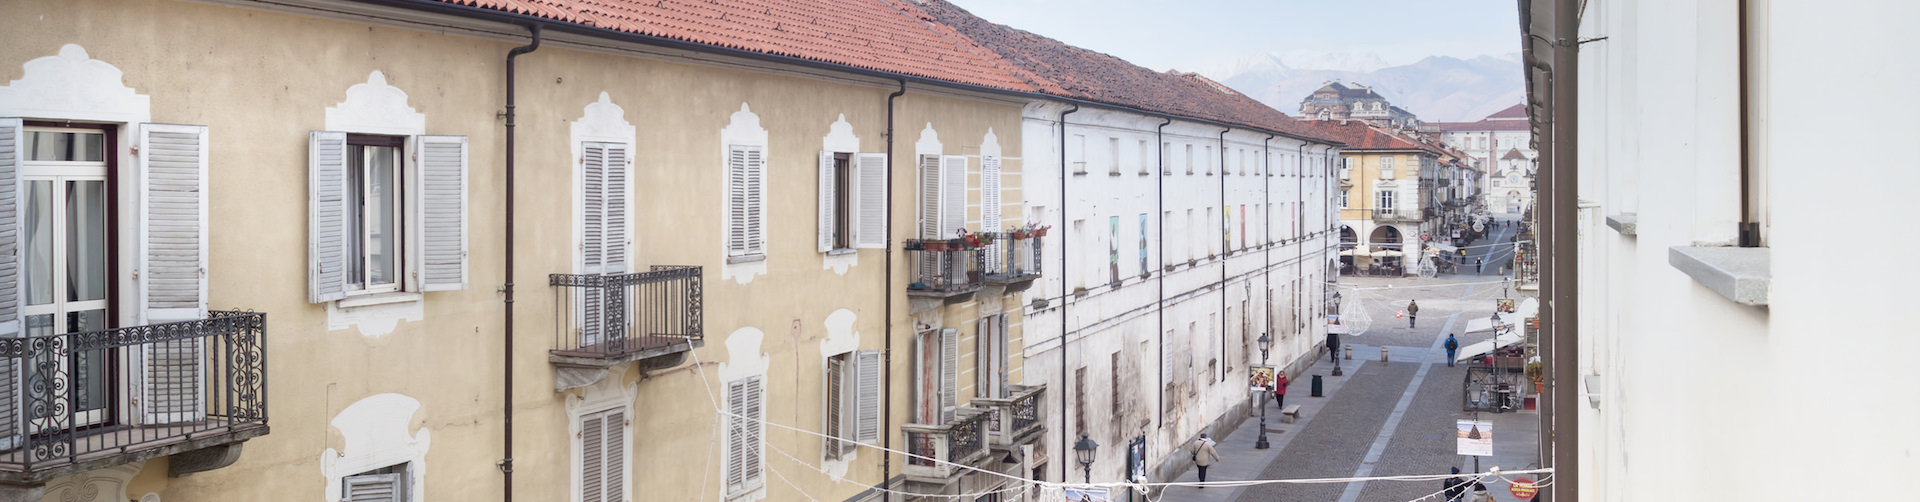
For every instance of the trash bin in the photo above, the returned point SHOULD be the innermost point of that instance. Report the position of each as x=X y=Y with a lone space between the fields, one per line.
x=1316 y=386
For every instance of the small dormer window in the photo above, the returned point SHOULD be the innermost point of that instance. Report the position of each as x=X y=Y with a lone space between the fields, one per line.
x=1376 y=106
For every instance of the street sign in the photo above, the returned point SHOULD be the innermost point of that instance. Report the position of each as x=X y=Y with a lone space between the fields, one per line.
x=1475 y=438
x=1088 y=494
x=1523 y=489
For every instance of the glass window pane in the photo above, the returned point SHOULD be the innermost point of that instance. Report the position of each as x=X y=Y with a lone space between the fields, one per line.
x=86 y=240
x=382 y=208
x=37 y=224
x=65 y=146
x=356 y=225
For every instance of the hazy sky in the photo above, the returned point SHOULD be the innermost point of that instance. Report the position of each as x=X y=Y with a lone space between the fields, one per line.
x=1164 y=34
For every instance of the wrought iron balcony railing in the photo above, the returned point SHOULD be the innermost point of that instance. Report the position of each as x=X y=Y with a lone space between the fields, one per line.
x=1013 y=259
x=935 y=449
x=1016 y=419
x=945 y=268
x=614 y=318
x=191 y=385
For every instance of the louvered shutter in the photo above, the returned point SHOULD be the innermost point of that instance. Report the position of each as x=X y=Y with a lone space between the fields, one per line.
x=173 y=173
x=1167 y=354
x=930 y=198
x=10 y=380
x=1000 y=351
x=745 y=229
x=755 y=450
x=326 y=216
x=373 y=488
x=616 y=455
x=953 y=192
x=949 y=374
x=744 y=448
x=848 y=407
x=982 y=364
x=756 y=206
x=593 y=458
x=870 y=200
x=990 y=204
x=835 y=403
x=442 y=213
x=872 y=374
x=826 y=201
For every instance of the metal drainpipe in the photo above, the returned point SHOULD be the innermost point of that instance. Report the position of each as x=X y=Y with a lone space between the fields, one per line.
x=1160 y=305
x=1299 y=242
x=1566 y=265
x=506 y=460
x=1226 y=249
x=1749 y=230
x=1266 y=255
x=886 y=292
x=1065 y=297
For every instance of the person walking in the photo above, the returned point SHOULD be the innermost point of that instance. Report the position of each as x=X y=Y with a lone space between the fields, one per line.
x=1454 y=486
x=1477 y=263
x=1204 y=456
x=1413 y=311
x=1480 y=494
x=1453 y=346
x=1280 y=390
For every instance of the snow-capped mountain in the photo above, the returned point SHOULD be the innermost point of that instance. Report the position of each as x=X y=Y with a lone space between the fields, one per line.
x=1438 y=88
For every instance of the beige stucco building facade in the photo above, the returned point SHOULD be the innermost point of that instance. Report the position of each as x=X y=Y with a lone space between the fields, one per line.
x=399 y=382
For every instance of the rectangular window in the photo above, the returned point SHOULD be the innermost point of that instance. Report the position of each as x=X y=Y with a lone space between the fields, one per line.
x=1189 y=159
x=853 y=383
x=1144 y=270
x=1209 y=160
x=1144 y=155
x=746 y=454
x=990 y=356
x=1113 y=156
x=1343 y=198
x=1386 y=167
x=1386 y=200
x=838 y=194
x=374 y=212
x=1166 y=150
x=1080 y=237
x=386 y=483
x=1079 y=154
x=603 y=456
x=1113 y=386
x=937 y=359
x=1113 y=250
x=1080 y=398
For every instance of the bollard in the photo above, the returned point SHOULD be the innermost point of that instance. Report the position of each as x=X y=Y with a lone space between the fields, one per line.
x=1383 y=353
x=1316 y=386
x=1349 y=352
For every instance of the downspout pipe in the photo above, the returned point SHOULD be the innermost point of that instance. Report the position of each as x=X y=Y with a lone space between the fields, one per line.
x=1160 y=305
x=1226 y=250
x=1065 y=298
x=1566 y=264
x=886 y=288
x=506 y=458
x=1266 y=206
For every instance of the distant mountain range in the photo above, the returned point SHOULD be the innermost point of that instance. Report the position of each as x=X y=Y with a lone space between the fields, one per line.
x=1438 y=88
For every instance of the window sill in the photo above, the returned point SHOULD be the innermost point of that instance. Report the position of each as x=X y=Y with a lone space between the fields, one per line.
x=1625 y=223
x=747 y=258
x=378 y=299
x=1079 y=173
x=1741 y=274
x=1113 y=173
x=840 y=252
x=1144 y=173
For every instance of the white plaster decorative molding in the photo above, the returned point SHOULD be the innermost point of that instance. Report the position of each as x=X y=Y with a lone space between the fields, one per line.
x=375 y=433
x=603 y=122
x=150 y=497
x=990 y=145
x=840 y=139
x=374 y=320
x=376 y=108
x=98 y=485
x=743 y=128
x=929 y=143
x=608 y=394
x=73 y=86
x=744 y=359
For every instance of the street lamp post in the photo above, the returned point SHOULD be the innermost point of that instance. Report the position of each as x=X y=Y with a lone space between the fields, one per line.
x=1266 y=343
x=1084 y=449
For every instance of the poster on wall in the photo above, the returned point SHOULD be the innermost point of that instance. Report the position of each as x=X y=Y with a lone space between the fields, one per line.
x=1475 y=438
x=1262 y=378
x=1088 y=494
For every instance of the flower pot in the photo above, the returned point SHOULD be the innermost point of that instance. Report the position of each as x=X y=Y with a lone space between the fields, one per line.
x=934 y=245
x=1539 y=387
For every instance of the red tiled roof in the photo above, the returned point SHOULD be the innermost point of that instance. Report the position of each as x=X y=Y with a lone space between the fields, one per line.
x=1512 y=112
x=884 y=36
x=1484 y=125
x=1360 y=136
x=1056 y=68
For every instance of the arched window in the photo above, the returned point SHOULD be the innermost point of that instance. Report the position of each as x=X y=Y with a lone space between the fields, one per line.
x=1376 y=106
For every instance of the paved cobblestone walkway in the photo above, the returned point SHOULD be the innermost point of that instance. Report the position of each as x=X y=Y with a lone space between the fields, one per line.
x=1333 y=445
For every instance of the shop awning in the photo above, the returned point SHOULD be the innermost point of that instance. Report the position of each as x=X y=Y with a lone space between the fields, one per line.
x=1527 y=307
x=1483 y=347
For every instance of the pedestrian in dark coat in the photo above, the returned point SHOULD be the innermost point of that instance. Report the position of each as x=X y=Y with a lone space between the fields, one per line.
x=1453 y=346
x=1413 y=310
x=1480 y=494
x=1454 y=486
x=1477 y=264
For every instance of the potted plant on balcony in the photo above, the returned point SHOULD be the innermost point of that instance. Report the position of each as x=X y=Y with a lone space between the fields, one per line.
x=914 y=245
x=1538 y=374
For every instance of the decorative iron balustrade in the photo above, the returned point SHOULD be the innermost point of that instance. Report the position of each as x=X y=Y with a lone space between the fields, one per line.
x=933 y=450
x=191 y=384
x=614 y=316
x=945 y=267
x=1013 y=418
x=1012 y=258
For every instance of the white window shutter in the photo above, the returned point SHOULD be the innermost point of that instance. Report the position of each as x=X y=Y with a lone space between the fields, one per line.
x=755 y=449
x=872 y=373
x=982 y=365
x=616 y=455
x=870 y=200
x=593 y=458
x=326 y=216
x=756 y=205
x=826 y=201
x=990 y=193
x=849 y=406
x=618 y=238
x=930 y=198
x=593 y=208
x=836 y=415
x=442 y=171
x=373 y=488
x=10 y=380
x=949 y=374
x=173 y=171
x=745 y=228
x=736 y=436
x=953 y=190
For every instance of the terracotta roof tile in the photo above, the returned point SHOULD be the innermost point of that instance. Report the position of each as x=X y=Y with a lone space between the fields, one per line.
x=1360 y=136
x=886 y=36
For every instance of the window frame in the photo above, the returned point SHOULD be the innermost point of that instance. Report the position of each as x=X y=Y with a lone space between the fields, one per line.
x=357 y=166
x=843 y=210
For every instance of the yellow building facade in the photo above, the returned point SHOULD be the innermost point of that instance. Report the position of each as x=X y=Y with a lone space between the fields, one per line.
x=705 y=264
